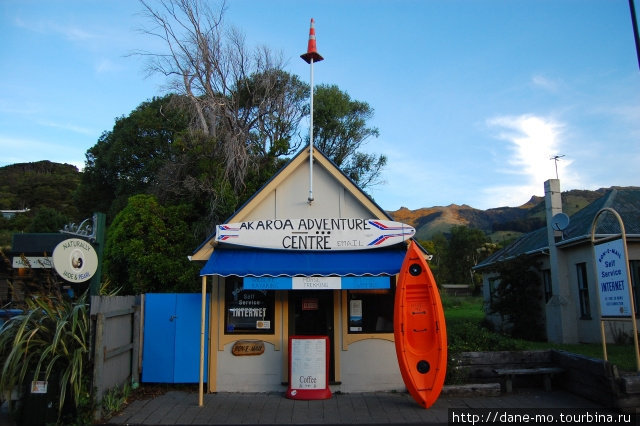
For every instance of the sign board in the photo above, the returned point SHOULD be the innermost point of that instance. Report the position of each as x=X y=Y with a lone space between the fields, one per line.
x=75 y=260
x=613 y=282
x=308 y=367
x=316 y=283
x=319 y=234
x=247 y=348
x=33 y=262
x=39 y=386
x=310 y=304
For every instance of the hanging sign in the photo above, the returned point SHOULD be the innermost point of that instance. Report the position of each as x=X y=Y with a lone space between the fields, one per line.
x=315 y=234
x=316 y=283
x=308 y=367
x=75 y=260
x=613 y=282
x=247 y=348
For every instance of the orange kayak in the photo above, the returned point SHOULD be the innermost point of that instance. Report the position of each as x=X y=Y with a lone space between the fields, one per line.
x=419 y=329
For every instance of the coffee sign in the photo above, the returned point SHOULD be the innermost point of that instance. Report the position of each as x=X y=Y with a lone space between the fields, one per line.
x=75 y=260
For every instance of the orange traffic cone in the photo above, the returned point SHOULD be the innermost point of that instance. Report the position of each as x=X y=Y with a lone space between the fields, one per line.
x=312 y=52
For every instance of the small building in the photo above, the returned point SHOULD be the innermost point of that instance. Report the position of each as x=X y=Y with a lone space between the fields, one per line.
x=10 y=214
x=264 y=296
x=28 y=262
x=568 y=283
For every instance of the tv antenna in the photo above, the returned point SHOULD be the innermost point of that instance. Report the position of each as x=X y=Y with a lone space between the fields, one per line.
x=556 y=158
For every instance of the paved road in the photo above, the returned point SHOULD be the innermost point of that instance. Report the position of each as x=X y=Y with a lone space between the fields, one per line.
x=179 y=407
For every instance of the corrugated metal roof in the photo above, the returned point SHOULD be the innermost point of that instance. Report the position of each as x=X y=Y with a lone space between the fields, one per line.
x=625 y=201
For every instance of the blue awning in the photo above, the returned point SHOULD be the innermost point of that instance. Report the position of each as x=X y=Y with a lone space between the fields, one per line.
x=284 y=263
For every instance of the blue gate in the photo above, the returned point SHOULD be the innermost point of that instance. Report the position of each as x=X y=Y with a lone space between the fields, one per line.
x=171 y=349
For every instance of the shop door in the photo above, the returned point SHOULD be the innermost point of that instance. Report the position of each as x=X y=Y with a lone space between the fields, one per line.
x=311 y=314
x=171 y=348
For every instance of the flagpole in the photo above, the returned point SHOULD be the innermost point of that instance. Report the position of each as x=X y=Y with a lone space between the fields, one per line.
x=310 y=199
x=310 y=57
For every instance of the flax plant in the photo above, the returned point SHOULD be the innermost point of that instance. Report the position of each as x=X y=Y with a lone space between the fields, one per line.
x=51 y=338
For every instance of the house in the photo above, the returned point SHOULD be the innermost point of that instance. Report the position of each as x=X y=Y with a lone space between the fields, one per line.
x=570 y=297
x=260 y=297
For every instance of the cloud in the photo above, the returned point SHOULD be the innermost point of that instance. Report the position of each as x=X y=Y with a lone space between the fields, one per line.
x=528 y=158
x=106 y=65
x=69 y=32
x=545 y=83
x=70 y=127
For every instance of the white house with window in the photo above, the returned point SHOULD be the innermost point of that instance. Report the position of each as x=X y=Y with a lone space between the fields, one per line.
x=569 y=293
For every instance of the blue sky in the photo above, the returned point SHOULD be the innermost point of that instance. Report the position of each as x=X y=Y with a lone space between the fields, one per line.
x=471 y=98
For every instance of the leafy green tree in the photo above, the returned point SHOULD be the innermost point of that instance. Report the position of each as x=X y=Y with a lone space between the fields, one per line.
x=439 y=246
x=240 y=99
x=48 y=219
x=463 y=253
x=518 y=297
x=125 y=161
x=147 y=247
x=340 y=130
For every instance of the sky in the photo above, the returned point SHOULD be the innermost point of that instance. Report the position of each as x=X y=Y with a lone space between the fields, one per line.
x=472 y=99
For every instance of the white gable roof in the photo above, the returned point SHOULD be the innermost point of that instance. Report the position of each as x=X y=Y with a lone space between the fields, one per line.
x=286 y=196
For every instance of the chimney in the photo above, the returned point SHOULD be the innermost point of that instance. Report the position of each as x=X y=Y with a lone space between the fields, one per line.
x=560 y=311
x=553 y=206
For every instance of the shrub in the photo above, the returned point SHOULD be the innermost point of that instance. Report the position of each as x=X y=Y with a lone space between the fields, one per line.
x=50 y=337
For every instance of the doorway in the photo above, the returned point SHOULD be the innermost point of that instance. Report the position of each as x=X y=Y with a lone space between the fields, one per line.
x=311 y=314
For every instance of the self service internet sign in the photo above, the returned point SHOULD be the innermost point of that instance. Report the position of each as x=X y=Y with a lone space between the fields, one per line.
x=613 y=281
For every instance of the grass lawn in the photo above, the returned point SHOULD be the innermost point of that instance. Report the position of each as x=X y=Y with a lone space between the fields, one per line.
x=465 y=330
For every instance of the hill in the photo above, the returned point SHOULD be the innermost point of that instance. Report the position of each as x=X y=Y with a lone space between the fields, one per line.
x=39 y=184
x=500 y=223
x=47 y=184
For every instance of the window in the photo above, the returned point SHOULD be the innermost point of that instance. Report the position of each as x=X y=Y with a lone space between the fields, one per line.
x=370 y=311
x=634 y=270
x=546 y=281
x=248 y=311
x=583 y=291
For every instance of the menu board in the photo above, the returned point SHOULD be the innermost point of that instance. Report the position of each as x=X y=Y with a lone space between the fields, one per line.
x=308 y=367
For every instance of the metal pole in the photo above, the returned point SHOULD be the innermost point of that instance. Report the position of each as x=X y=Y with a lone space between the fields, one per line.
x=310 y=199
x=634 y=23
x=623 y=237
x=202 y=332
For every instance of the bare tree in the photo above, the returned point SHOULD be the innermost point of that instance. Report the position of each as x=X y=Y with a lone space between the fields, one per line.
x=241 y=100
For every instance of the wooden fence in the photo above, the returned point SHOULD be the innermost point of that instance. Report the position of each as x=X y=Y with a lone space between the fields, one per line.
x=117 y=327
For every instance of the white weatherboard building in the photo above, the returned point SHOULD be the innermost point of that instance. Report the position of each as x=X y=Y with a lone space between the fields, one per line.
x=260 y=297
x=569 y=292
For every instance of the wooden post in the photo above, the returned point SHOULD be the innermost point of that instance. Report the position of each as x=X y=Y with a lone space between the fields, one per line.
x=98 y=366
x=99 y=221
x=135 y=366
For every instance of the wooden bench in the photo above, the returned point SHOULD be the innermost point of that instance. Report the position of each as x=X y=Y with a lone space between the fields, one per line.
x=545 y=372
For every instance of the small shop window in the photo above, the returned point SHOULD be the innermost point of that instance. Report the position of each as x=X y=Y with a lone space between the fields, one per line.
x=248 y=311
x=370 y=311
x=583 y=291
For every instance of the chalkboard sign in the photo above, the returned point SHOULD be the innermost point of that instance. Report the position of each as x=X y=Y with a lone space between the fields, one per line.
x=308 y=367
